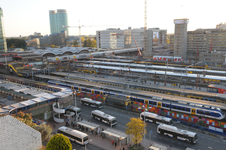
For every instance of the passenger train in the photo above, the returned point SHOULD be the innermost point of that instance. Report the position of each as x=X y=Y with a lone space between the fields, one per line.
x=201 y=111
x=214 y=97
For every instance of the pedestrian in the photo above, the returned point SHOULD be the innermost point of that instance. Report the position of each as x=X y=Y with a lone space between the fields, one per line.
x=71 y=123
x=123 y=148
x=112 y=142
x=171 y=146
x=96 y=133
x=115 y=144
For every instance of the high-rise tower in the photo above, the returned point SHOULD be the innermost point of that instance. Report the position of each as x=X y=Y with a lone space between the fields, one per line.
x=53 y=21
x=58 y=20
x=180 y=37
x=3 y=46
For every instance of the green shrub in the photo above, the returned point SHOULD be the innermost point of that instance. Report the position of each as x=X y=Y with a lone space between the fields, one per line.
x=59 y=142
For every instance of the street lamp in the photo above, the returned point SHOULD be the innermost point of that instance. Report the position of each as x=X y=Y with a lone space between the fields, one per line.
x=87 y=143
x=144 y=123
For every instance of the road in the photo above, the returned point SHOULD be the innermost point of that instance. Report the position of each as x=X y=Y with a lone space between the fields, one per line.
x=89 y=147
x=205 y=142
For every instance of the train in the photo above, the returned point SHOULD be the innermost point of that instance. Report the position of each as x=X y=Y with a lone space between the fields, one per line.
x=196 y=110
x=209 y=96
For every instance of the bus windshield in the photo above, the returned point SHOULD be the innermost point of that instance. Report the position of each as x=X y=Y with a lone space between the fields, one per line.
x=78 y=111
x=114 y=120
x=85 y=138
x=196 y=137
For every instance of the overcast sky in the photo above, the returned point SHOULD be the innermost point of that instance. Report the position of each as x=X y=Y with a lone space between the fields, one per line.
x=24 y=17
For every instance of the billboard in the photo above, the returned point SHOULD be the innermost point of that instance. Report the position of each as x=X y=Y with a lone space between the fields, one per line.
x=155 y=36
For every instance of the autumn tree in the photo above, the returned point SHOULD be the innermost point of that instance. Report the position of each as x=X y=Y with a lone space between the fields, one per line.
x=59 y=142
x=53 y=46
x=136 y=128
x=25 y=118
x=45 y=130
x=94 y=43
x=75 y=43
x=87 y=43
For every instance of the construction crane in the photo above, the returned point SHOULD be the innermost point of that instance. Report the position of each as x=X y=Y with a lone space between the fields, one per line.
x=137 y=47
x=79 y=27
x=145 y=23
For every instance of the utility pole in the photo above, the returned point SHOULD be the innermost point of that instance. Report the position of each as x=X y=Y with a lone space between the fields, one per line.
x=155 y=78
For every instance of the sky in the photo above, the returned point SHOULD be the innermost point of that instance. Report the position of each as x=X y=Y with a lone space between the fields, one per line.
x=24 y=17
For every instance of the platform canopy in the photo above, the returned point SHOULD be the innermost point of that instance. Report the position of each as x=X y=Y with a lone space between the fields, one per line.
x=115 y=133
x=87 y=124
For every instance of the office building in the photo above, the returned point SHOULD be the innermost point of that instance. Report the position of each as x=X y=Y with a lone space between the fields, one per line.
x=204 y=41
x=58 y=19
x=213 y=58
x=3 y=45
x=113 y=38
x=180 y=38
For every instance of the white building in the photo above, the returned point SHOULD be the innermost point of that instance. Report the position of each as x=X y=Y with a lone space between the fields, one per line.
x=17 y=135
x=113 y=38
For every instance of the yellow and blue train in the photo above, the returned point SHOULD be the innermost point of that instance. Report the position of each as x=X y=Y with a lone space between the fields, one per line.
x=197 y=110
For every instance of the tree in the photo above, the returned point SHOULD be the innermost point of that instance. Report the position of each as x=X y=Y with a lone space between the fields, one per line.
x=90 y=43
x=59 y=142
x=25 y=118
x=75 y=43
x=45 y=131
x=53 y=46
x=136 y=128
x=94 y=43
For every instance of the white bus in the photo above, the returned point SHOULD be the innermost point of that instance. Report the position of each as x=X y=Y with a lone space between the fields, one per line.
x=154 y=118
x=176 y=133
x=91 y=103
x=76 y=110
x=74 y=135
x=105 y=118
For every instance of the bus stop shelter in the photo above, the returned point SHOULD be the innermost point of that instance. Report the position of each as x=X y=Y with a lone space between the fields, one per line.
x=89 y=125
x=117 y=136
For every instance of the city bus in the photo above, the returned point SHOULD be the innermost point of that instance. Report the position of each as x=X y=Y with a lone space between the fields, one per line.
x=91 y=103
x=74 y=135
x=176 y=133
x=154 y=118
x=105 y=118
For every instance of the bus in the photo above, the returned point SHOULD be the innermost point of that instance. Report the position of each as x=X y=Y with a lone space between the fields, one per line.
x=74 y=135
x=154 y=118
x=176 y=133
x=76 y=110
x=91 y=103
x=105 y=118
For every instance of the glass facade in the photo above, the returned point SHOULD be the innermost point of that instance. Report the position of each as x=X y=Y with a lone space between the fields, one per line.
x=53 y=21
x=3 y=46
x=58 y=20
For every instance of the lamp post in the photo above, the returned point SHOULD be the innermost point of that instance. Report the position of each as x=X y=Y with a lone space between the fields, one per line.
x=144 y=123
x=87 y=143
x=120 y=141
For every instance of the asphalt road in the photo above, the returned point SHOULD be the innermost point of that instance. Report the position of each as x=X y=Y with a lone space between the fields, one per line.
x=88 y=147
x=205 y=142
